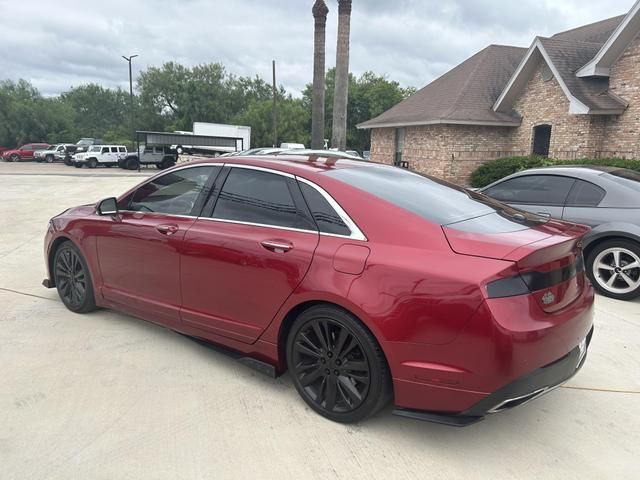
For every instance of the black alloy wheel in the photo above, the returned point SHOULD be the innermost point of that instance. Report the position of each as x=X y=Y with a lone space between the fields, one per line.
x=73 y=280
x=337 y=365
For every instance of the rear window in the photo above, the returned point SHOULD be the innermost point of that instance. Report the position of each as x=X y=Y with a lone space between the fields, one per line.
x=433 y=199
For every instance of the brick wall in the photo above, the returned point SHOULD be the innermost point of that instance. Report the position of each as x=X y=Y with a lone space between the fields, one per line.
x=622 y=132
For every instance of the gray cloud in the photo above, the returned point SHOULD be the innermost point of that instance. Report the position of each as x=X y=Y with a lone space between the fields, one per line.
x=60 y=44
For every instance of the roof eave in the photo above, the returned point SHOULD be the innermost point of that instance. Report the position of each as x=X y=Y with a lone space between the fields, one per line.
x=440 y=121
x=625 y=32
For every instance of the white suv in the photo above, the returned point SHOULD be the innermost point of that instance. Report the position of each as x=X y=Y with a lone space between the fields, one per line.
x=106 y=155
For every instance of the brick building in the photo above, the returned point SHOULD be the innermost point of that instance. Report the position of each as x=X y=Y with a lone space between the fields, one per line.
x=573 y=95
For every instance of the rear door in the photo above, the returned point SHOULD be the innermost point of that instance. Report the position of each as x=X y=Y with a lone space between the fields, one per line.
x=540 y=194
x=139 y=248
x=247 y=253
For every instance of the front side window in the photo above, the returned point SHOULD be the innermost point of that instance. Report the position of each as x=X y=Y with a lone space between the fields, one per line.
x=105 y=150
x=114 y=149
x=326 y=217
x=175 y=193
x=94 y=149
x=533 y=189
x=253 y=196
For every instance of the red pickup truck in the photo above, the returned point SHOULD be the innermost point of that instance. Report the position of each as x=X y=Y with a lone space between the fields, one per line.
x=25 y=152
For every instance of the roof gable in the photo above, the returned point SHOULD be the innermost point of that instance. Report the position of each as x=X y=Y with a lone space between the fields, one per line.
x=463 y=95
x=614 y=46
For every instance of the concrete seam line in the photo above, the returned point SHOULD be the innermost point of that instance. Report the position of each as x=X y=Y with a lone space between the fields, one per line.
x=27 y=294
x=601 y=390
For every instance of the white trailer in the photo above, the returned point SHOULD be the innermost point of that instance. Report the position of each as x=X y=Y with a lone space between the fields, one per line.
x=232 y=138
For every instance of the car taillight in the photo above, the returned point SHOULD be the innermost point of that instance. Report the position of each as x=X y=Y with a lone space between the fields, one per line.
x=507 y=287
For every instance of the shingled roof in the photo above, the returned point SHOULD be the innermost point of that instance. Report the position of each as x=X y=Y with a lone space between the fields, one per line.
x=482 y=89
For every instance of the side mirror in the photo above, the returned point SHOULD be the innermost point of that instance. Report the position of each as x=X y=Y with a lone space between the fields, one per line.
x=108 y=206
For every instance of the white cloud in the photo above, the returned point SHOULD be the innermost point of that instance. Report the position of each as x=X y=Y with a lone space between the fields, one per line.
x=59 y=44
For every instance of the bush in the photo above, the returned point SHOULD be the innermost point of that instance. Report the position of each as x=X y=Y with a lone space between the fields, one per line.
x=496 y=169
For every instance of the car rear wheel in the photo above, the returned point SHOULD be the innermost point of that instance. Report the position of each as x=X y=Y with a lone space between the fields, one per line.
x=92 y=163
x=337 y=365
x=614 y=268
x=132 y=164
x=73 y=280
x=77 y=165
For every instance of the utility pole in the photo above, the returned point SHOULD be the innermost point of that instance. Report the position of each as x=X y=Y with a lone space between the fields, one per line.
x=275 y=116
x=133 y=130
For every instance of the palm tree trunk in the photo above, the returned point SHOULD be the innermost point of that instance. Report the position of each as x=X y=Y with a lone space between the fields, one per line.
x=319 y=11
x=341 y=93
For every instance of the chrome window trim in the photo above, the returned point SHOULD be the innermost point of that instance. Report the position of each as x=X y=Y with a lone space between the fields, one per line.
x=142 y=212
x=238 y=222
x=356 y=233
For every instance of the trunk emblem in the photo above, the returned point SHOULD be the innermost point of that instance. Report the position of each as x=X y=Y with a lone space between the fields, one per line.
x=548 y=298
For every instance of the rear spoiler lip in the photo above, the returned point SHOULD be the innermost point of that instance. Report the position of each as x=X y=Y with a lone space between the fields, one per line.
x=566 y=239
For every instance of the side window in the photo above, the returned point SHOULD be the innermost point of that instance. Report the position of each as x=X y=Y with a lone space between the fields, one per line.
x=253 y=196
x=533 y=189
x=175 y=193
x=323 y=213
x=585 y=194
x=105 y=150
x=114 y=149
x=122 y=150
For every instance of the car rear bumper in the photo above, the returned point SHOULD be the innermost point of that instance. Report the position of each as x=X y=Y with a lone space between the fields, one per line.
x=516 y=393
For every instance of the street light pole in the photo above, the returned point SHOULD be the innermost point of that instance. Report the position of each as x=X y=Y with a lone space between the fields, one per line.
x=133 y=131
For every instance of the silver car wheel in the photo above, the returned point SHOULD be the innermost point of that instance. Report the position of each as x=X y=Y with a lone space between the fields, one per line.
x=617 y=270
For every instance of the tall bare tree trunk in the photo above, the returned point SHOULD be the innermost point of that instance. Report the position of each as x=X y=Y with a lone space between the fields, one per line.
x=319 y=11
x=341 y=93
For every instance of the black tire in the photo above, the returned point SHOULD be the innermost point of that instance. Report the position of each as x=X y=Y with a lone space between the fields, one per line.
x=602 y=266
x=108 y=165
x=67 y=161
x=166 y=163
x=73 y=279
x=132 y=163
x=49 y=158
x=14 y=158
x=324 y=342
x=77 y=165
x=92 y=163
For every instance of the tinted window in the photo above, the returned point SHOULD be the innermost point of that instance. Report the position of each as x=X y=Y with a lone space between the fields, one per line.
x=534 y=189
x=105 y=150
x=432 y=199
x=325 y=216
x=122 y=149
x=258 y=197
x=174 y=193
x=114 y=149
x=585 y=194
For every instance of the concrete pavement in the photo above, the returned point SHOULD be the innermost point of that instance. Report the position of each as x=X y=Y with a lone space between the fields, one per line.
x=107 y=396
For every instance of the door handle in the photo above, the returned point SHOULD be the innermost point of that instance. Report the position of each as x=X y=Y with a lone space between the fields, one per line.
x=277 y=246
x=544 y=214
x=167 y=229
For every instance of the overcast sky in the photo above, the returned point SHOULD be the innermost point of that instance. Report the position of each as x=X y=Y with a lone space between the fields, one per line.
x=63 y=43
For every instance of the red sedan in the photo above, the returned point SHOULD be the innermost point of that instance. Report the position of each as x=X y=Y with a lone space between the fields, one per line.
x=369 y=283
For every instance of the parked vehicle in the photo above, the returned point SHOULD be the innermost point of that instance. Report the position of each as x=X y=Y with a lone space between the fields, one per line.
x=367 y=282
x=25 y=152
x=56 y=152
x=240 y=132
x=605 y=198
x=3 y=149
x=161 y=157
x=107 y=155
x=83 y=144
x=292 y=146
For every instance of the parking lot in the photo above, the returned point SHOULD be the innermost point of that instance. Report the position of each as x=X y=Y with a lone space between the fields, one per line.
x=107 y=396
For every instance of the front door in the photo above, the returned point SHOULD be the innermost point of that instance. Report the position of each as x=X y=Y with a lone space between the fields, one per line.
x=242 y=259
x=139 y=248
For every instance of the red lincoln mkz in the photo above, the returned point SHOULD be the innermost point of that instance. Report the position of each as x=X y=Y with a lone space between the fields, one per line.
x=369 y=283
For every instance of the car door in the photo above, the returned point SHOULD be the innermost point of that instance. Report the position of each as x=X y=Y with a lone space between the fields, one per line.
x=246 y=254
x=139 y=248
x=26 y=152
x=541 y=194
x=582 y=203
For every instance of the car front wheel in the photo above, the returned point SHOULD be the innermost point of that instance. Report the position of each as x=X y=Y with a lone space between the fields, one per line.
x=73 y=280
x=337 y=365
x=614 y=268
x=15 y=158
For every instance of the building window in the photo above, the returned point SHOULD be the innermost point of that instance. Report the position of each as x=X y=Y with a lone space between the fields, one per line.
x=541 y=140
x=397 y=161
